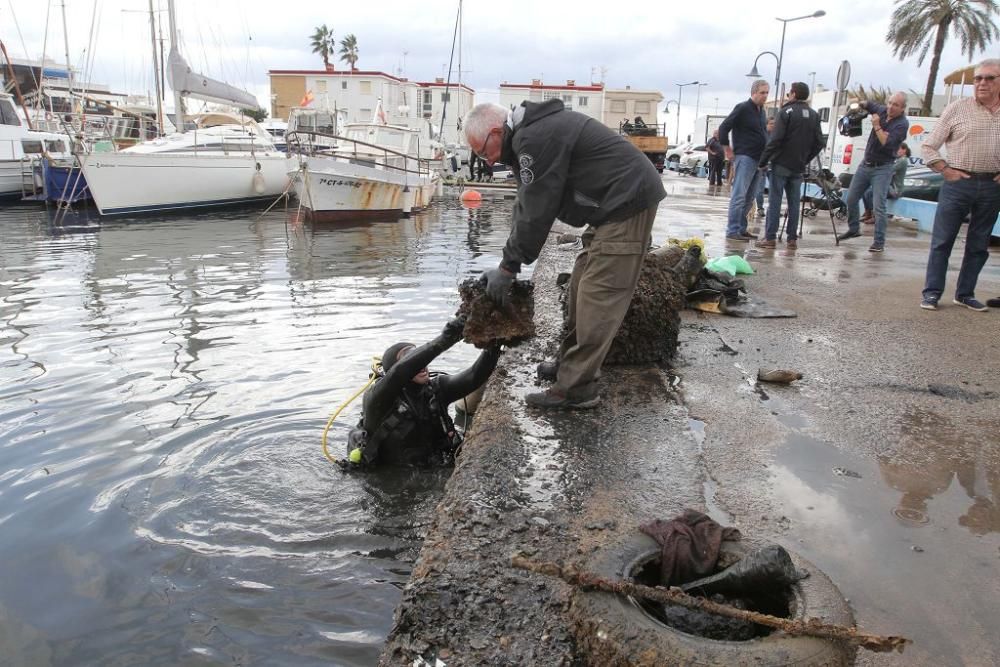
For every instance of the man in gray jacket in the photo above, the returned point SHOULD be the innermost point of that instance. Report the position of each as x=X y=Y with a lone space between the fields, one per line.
x=570 y=166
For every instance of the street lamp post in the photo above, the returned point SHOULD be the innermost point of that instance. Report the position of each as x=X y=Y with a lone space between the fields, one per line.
x=754 y=74
x=697 y=101
x=781 y=51
x=680 y=91
x=666 y=110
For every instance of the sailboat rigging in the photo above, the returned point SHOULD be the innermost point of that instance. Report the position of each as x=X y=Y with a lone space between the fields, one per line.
x=225 y=159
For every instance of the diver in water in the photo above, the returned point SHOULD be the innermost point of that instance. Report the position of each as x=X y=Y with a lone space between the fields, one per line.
x=405 y=420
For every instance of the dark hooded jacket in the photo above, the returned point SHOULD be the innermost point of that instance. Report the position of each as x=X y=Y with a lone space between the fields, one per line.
x=408 y=424
x=797 y=138
x=570 y=166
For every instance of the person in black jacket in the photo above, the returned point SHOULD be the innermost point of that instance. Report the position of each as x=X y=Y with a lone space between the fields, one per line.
x=571 y=166
x=716 y=159
x=796 y=141
x=748 y=123
x=405 y=418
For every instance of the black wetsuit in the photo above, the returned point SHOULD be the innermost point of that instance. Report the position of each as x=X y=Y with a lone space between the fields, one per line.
x=408 y=423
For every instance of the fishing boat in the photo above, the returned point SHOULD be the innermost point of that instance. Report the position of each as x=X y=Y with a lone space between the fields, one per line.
x=371 y=171
x=215 y=159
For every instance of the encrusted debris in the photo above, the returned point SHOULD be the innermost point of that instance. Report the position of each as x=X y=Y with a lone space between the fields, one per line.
x=650 y=329
x=488 y=323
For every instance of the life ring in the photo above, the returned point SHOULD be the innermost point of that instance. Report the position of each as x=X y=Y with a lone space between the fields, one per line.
x=613 y=630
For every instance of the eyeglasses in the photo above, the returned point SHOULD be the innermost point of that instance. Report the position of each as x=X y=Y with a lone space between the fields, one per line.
x=985 y=77
x=482 y=151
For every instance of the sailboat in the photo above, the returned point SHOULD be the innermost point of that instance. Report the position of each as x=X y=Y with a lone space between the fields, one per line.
x=224 y=159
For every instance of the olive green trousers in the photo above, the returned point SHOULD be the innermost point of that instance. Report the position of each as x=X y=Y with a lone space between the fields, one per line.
x=600 y=291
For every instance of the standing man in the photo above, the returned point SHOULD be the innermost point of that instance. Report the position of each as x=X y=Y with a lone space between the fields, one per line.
x=889 y=126
x=796 y=140
x=570 y=166
x=716 y=159
x=970 y=130
x=748 y=122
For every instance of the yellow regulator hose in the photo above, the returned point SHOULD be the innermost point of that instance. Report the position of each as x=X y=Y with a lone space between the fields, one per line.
x=376 y=364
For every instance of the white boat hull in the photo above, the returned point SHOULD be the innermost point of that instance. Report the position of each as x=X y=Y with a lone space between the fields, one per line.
x=125 y=182
x=337 y=189
x=10 y=178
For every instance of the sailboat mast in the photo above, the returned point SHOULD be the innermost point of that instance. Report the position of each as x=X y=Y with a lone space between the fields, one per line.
x=458 y=104
x=156 y=71
x=69 y=66
x=178 y=102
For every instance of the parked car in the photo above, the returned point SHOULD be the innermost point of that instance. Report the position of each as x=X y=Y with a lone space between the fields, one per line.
x=694 y=157
x=675 y=153
x=922 y=183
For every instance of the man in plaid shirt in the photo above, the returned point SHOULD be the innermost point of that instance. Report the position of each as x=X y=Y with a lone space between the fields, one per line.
x=970 y=130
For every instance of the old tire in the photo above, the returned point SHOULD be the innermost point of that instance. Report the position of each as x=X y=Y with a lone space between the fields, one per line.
x=613 y=630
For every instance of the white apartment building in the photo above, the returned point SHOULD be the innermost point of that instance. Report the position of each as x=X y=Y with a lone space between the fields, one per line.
x=609 y=106
x=587 y=100
x=405 y=102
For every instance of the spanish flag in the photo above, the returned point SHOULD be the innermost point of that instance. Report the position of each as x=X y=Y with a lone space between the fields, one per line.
x=307 y=99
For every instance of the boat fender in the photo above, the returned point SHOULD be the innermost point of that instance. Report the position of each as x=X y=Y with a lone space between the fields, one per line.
x=258 y=183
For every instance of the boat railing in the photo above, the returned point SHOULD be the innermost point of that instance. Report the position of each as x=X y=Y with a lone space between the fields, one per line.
x=311 y=143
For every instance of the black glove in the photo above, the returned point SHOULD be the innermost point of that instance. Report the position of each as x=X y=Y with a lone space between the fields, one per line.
x=452 y=331
x=498 y=282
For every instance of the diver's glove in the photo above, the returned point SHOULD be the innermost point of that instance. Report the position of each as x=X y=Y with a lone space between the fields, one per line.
x=452 y=332
x=498 y=282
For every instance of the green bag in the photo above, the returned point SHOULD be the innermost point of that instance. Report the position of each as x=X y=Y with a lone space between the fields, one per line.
x=732 y=264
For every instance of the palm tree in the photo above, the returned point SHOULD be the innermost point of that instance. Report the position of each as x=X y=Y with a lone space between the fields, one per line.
x=919 y=25
x=323 y=43
x=349 y=50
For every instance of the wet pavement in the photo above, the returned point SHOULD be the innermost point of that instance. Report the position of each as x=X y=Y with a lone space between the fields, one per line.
x=881 y=466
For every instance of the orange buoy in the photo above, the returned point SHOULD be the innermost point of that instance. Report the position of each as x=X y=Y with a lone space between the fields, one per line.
x=471 y=196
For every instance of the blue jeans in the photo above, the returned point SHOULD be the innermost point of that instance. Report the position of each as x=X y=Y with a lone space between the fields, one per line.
x=981 y=201
x=878 y=179
x=745 y=178
x=867 y=197
x=761 y=184
x=789 y=182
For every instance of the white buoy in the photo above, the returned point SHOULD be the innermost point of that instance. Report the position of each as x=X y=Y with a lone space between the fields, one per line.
x=258 y=183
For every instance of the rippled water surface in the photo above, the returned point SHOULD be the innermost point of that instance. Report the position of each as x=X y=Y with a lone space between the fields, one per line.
x=163 y=494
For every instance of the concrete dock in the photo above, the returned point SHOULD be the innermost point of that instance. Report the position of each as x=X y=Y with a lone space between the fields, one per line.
x=881 y=466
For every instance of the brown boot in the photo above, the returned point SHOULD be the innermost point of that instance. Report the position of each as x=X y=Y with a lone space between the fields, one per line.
x=792 y=244
x=766 y=243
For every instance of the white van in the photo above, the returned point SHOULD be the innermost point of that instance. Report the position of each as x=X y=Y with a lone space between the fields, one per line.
x=848 y=152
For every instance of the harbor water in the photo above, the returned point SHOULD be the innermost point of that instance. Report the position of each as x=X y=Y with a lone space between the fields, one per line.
x=164 y=498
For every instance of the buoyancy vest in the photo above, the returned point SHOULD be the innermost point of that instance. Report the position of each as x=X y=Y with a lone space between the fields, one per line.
x=411 y=436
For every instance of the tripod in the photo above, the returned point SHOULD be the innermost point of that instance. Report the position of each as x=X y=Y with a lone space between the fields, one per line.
x=813 y=176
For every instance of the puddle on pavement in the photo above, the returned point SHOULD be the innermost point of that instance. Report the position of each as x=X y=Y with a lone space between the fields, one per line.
x=928 y=476
x=710 y=486
x=913 y=537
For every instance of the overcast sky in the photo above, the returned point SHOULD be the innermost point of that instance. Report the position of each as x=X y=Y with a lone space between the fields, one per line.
x=647 y=46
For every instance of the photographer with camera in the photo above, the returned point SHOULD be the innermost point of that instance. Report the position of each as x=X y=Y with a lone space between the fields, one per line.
x=889 y=128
